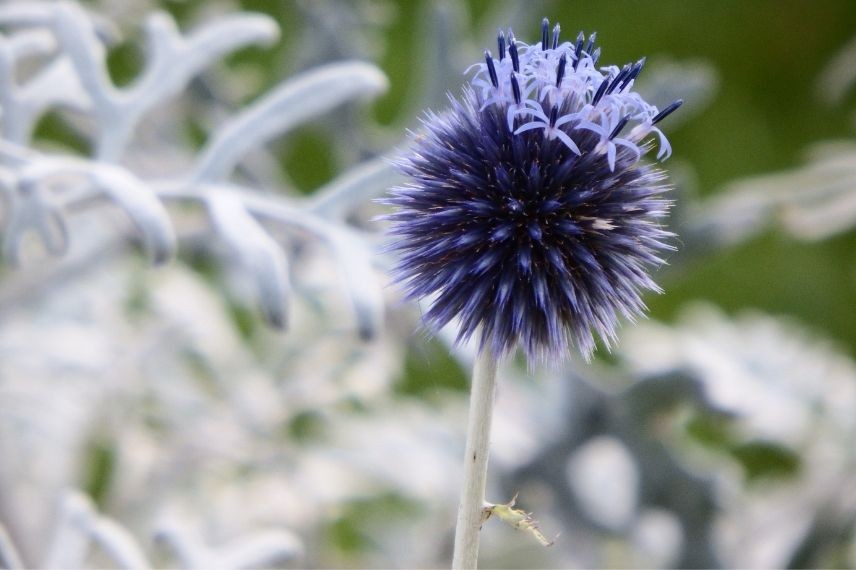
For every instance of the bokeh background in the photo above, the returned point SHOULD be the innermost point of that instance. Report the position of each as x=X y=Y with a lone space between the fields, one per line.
x=152 y=417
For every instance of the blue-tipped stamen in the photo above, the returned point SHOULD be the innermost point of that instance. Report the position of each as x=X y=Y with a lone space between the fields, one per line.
x=515 y=89
x=667 y=111
x=595 y=56
x=500 y=43
x=601 y=91
x=512 y=51
x=618 y=78
x=634 y=73
x=578 y=49
x=560 y=70
x=545 y=30
x=590 y=43
x=554 y=115
x=556 y=30
x=490 y=68
x=621 y=124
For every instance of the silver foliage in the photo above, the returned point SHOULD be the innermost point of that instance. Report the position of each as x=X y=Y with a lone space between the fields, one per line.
x=812 y=202
x=79 y=529
x=42 y=188
x=49 y=198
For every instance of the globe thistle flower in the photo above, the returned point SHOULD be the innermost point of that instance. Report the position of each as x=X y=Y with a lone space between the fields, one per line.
x=531 y=212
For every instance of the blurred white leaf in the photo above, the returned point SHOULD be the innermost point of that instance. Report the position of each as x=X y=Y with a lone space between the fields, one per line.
x=355 y=266
x=70 y=544
x=812 y=202
x=261 y=549
x=40 y=95
x=785 y=389
x=257 y=251
x=9 y=557
x=41 y=13
x=357 y=186
x=694 y=81
x=172 y=62
x=143 y=208
x=22 y=105
x=32 y=213
x=838 y=76
x=118 y=544
x=292 y=103
x=30 y=43
x=79 y=526
x=605 y=480
x=137 y=200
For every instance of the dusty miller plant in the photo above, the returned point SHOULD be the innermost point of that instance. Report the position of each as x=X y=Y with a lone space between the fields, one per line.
x=41 y=189
x=812 y=202
x=53 y=57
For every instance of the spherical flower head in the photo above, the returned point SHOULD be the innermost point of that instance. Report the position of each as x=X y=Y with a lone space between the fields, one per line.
x=531 y=213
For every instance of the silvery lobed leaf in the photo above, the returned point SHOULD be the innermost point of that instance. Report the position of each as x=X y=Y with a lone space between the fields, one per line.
x=40 y=95
x=30 y=43
x=70 y=544
x=26 y=13
x=138 y=201
x=838 y=76
x=174 y=60
x=32 y=213
x=261 y=255
x=80 y=43
x=142 y=206
x=355 y=267
x=23 y=104
x=118 y=544
x=78 y=526
x=36 y=13
x=265 y=548
x=826 y=204
x=9 y=557
x=260 y=550
x=358 y=185
x=353 y=259
x=292 y=103
x=812 y=202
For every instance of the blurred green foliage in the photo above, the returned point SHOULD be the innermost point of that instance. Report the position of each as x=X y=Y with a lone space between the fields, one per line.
x=350 y=533
x=100 y=467
x=429 y=370
x=760 y=460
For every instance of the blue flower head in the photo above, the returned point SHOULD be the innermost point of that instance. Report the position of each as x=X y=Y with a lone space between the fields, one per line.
x=531 y=213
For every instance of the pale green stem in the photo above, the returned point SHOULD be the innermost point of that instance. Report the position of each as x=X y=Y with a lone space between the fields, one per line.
x=471 y=508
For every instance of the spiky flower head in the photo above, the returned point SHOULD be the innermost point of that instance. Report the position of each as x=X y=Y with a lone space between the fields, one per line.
x=531 y=213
